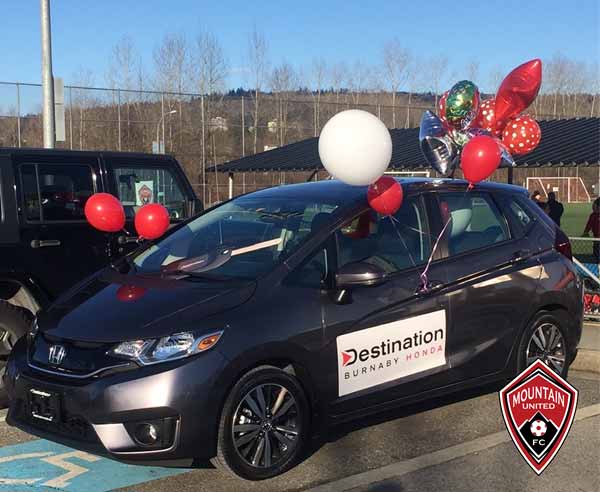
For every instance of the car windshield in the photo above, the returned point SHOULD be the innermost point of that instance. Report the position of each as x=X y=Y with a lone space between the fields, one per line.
x=244 y=238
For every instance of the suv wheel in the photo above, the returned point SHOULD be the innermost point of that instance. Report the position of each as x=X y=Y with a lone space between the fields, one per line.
x=264 y=425
x=546 y=339
x=14 y=323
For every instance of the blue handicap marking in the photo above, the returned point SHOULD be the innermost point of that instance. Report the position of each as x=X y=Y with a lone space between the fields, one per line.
x=43 y=466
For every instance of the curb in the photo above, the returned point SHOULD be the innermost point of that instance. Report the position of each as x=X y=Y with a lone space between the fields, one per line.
x=587 y=360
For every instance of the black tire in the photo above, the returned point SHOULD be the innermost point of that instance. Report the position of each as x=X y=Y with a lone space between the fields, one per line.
x=286 y=447
x=14 y=323
x=537 y=342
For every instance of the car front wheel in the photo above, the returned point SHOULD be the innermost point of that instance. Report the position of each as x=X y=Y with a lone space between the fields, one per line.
x=264 y=425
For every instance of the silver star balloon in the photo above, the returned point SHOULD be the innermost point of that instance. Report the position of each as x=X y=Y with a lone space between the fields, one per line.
x=437 y=146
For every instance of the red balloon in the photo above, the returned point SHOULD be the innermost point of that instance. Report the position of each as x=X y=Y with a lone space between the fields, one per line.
x=480 y=158
x=130 y=293
x=105 y=212
x=521 y=135
x=385 y=195
x=517 y=91
x=442 y=108
x=486 y=118
x=152 y=221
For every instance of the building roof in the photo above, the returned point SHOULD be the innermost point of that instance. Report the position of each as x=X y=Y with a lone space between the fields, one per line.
x=568 y=142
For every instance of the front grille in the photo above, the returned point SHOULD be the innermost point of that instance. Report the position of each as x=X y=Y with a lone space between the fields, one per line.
x=82 y=359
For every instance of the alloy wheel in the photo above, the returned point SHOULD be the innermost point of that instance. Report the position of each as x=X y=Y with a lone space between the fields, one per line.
x=266 y=426
x=548 y=345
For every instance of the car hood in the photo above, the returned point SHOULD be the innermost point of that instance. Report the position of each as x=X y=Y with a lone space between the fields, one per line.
x=111 y=307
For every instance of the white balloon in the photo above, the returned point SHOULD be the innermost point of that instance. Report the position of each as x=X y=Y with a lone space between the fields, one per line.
x=355 y=147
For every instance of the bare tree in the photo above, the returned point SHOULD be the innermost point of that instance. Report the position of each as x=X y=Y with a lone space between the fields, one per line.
x=211 y=65
x=473 y=71
x=338 y=76
x=319 y=68
x=357 y=79
x=258 y=61
x=396 y=60
x=284 y=80
x=82 y=99
x=413 y=75
x=437 y=68
x=494 y=79
x=556 y=78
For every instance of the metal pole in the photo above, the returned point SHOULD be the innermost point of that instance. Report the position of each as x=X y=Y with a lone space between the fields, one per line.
x=71 y=117
x=162 y=111
x=230 y=185
x=47 y=80
x=18 y=115
x=203 y=149
x=243 y=130
x=119 y=116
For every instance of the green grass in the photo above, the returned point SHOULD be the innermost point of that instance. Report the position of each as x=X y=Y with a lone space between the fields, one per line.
x=575 y=217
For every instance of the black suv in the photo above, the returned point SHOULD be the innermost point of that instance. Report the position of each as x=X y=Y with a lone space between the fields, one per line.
x=46 y=245
x=272 y=316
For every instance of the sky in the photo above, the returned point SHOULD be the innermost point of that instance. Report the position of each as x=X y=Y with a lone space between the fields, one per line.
x=498 y=34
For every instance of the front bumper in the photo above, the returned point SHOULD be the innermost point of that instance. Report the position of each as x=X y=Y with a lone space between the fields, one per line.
x=97 y=415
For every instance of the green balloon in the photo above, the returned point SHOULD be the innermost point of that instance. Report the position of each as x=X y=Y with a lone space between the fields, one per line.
x=462 y=104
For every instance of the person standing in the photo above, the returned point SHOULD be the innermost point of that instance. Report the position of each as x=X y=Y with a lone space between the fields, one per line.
x=593 y=224
x=555 y=208
x=536 y=196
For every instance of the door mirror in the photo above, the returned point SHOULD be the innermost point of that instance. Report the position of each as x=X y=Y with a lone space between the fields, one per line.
x=359 y=274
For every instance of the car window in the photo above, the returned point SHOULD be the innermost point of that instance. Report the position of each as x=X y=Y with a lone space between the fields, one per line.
x=391 y=243
x=56 y=192
x=246 y=237
x=137 y=186
x=475 y=221
x=521 y=218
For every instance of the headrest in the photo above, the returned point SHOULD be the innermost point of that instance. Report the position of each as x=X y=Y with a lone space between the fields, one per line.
x=461 y=210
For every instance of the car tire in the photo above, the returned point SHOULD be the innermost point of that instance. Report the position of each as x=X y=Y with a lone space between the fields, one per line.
x=14 y=323
x=547 y=338
x=280 y=433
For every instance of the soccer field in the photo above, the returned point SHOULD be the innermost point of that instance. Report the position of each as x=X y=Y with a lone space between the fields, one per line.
x=575 y=217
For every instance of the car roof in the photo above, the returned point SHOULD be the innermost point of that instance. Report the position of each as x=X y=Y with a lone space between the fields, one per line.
x=89 y=153
x=332 y=190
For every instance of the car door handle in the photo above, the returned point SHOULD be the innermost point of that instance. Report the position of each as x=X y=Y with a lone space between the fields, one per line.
x=127 y=239
x=44 y=243
x=521 y=254
x=432 y=285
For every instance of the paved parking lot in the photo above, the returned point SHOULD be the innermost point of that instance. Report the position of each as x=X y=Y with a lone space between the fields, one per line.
x=451 y=444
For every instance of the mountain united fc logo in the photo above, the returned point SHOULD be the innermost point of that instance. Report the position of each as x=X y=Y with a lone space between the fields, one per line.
x=538 y=407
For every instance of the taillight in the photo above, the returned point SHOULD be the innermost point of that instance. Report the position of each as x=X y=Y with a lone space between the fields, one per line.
x=563 y=245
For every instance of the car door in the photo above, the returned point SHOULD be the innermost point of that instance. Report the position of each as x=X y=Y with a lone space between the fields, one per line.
x=137 y=181
x=492 y=273
x=60 y=247
x=9 y=225
x=388 y=341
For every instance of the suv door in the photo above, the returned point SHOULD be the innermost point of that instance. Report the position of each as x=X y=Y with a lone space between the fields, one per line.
x=60 y=247
x=137 y=181
x=386 y=341
x=492 y=273
x=9 y=225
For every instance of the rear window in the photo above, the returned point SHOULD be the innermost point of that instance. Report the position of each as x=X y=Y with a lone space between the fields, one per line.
x=475 y=223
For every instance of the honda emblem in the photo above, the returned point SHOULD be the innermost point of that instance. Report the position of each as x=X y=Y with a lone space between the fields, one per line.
x=56 y=355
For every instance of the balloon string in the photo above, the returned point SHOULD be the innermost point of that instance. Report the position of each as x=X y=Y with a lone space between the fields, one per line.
x=410 y=256
x=424 y=280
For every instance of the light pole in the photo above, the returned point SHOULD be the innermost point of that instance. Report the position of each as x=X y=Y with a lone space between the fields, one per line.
x=158 y=130
x=47 y=80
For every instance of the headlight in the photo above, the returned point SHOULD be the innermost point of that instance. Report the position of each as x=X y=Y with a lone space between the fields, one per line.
x=164 y=349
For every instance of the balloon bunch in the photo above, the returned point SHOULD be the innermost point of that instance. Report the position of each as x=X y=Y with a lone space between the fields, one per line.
x=105 y=212
x=480 y=136
x=356 y=148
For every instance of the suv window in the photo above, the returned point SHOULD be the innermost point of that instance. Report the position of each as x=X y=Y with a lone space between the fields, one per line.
x=137 y=186
x=391 y=243
x=476 y=221
x=56 y=192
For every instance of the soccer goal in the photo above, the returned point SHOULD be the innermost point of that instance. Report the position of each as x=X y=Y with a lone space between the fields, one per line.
x=568 y=189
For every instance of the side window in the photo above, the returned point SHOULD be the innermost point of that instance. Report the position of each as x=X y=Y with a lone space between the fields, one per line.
x=475 y=221
x=392 y=243
x=138 y=186
x=56 y=192
x=521 y=218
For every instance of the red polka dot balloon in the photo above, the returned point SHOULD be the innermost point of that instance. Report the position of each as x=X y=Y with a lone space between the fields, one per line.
x=442 y=108
x=521 y=135
x=486 y=119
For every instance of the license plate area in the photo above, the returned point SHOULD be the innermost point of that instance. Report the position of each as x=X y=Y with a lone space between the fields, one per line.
x=44 y=406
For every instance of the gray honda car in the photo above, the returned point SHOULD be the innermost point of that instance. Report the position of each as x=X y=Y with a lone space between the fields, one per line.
x=278 y=314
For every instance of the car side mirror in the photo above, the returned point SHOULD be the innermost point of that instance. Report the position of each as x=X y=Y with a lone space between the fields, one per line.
x=359 y=274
